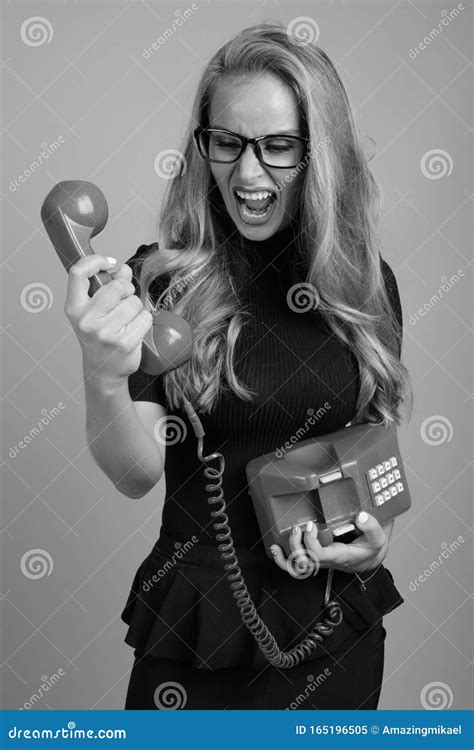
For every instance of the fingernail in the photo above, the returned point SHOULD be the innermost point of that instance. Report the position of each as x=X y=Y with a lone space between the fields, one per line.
x=309 y=526
x=363 y=517
x=273 y=549
x=294 y=530
x=111 y=260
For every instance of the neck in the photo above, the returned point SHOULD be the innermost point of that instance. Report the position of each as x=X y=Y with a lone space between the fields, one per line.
x=275 y=249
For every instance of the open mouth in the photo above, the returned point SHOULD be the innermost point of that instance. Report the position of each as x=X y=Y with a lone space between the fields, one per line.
x=255 y=204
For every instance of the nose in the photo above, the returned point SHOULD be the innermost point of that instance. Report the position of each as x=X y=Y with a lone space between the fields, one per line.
x=248 y=166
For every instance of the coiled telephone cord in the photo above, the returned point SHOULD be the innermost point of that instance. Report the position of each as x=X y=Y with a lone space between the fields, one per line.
x=248 y=612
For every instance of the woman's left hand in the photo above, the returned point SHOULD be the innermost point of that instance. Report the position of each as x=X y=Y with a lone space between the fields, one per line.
x=365 y=553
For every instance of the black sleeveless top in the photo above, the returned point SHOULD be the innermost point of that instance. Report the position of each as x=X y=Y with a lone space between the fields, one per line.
x=296 y=365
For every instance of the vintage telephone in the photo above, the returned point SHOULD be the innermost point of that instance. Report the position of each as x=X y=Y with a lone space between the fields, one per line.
x=327 y=479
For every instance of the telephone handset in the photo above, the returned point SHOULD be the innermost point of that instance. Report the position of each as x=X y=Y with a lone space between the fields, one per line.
x=326 y=480
x=72 y=213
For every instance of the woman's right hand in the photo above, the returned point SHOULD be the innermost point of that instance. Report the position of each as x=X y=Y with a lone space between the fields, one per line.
x=110 y=326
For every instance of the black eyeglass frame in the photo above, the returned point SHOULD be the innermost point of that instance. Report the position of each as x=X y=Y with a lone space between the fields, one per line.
x=244 y=141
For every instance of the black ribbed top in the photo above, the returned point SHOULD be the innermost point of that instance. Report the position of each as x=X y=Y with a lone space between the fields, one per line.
x=298 y=369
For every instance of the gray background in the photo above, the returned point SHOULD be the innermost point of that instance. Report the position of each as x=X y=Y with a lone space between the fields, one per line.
x=114 y=112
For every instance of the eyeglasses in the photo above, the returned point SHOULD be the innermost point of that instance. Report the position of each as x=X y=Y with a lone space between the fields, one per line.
x=225 y=147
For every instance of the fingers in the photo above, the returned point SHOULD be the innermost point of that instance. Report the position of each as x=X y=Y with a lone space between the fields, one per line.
x=334 y=554
x=359 y=555
x=356 y=555
x=123 y=272
x=301 y=566
x=78 y=278
x=280 y=558
x=372 y=530
x=296 y=541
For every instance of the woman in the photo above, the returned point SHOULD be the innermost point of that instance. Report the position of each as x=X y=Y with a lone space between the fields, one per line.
x=247 y=225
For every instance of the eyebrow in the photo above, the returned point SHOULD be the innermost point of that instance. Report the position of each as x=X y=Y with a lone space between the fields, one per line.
x=283 y=131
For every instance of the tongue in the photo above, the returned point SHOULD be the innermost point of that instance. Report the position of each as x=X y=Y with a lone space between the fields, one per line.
x=258 y=205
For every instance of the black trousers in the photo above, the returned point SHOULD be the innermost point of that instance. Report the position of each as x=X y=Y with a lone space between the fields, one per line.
x=348 y=679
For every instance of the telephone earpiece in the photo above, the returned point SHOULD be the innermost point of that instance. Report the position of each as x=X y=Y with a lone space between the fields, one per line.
x=72 y=213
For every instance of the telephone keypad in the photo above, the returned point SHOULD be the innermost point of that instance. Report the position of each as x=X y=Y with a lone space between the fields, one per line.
x=385 y=485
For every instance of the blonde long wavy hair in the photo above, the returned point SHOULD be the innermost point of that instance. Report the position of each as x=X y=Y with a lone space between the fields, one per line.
x=336 y=240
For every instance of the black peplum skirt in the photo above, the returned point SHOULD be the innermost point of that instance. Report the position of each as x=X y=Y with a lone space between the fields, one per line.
x=186 y=630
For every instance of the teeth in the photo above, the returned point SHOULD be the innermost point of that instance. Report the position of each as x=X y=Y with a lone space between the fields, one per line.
x=254 y=196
